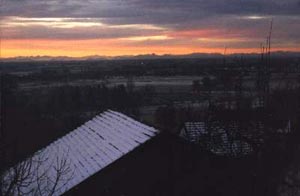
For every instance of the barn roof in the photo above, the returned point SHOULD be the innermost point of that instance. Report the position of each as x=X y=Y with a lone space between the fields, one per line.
x=88 y=149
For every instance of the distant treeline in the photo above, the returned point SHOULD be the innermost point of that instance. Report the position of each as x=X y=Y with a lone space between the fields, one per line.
x=71 y=70
x=52 y=112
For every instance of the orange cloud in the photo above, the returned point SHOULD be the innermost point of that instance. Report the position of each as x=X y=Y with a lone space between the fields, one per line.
x=194 y=33
x=210 y=33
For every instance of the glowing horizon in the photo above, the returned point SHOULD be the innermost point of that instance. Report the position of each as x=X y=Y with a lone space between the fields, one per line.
x=70 y=48
x=108 y=28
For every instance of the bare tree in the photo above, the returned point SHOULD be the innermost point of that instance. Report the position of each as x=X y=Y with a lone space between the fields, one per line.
x=40 y=174
x=37 y=175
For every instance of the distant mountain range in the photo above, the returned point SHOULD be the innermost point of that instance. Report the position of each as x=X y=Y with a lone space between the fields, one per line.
x=145 y=56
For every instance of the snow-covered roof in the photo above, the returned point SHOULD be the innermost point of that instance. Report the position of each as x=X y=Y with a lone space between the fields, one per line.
x=219 y=139
x=193 y=130
x=89 y=148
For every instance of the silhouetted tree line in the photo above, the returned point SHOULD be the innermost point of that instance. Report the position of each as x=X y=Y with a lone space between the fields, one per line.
x=51 y=71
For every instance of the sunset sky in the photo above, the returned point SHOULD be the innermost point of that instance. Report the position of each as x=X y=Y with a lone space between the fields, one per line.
x=129 y=27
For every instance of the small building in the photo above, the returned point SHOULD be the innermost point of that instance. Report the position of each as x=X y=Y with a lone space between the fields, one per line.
x=219 y=139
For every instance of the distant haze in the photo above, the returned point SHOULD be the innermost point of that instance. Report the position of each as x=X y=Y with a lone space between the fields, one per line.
x=281 y=54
